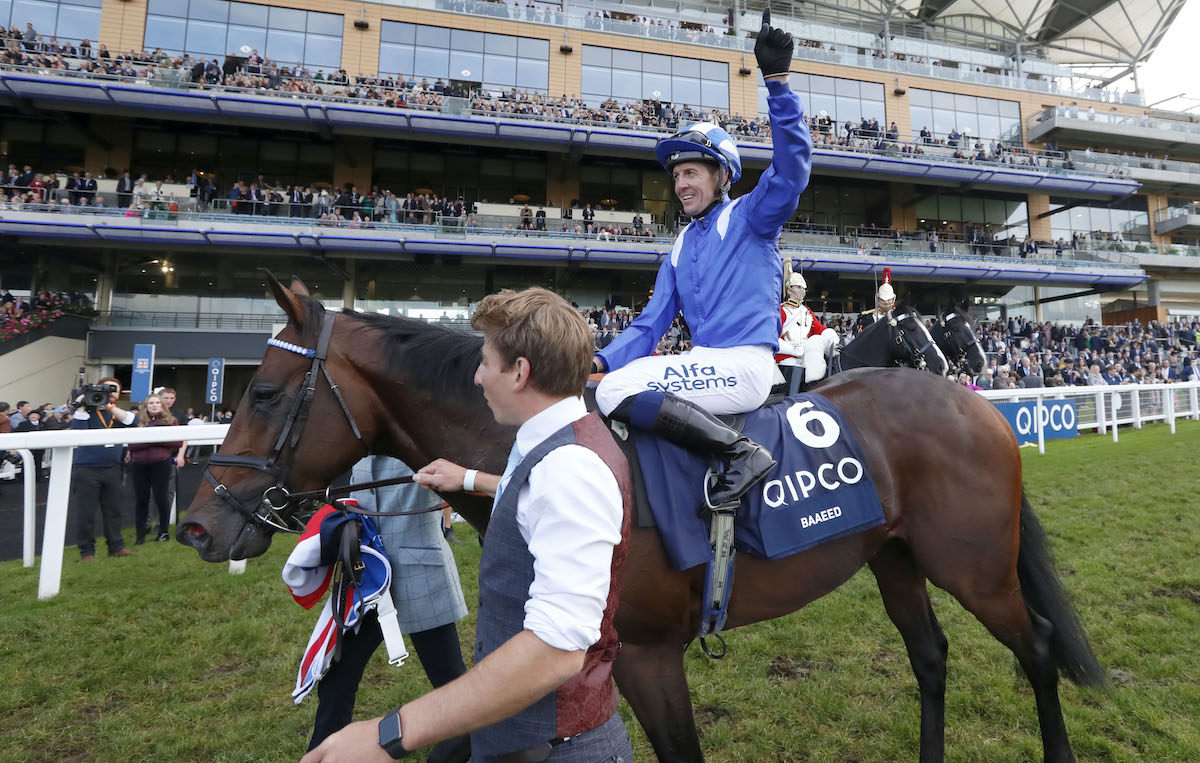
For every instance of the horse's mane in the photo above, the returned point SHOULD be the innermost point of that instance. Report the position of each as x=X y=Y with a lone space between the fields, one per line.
x=435 y=358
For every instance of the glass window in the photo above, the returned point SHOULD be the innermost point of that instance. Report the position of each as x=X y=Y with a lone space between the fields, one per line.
x=847 y=87
x=248 y=14
x=254 y=38
x=329 y=24
x=539 y=49
x=1010 y=109
x=686 y=91
x=872 y=91
x=431 y=62
x=626 y=59
x=42 y=15
x=943 y=100
x=685 y=67
x=461 y=39
x=988 y=106
x=284 y=46
x=593 y=55
x=657 y=64
x=287 y=19
x=500 y=70
x=964 y=103
x=500 y=44
x=714 y=70
x=433 y=36
x=396 y=59
x=206 y=37
x=714 y=95
x=800 y=82
x=820 y=84
x=626 y=84
x=177 y=8
x=77 y=23
x=919 y=98
x=533 y=74
x=848 y=109
x=395 y=31
x=208 y=10
x=162 y=32
x=320 y=50
x=656 y=86
x=596 y=80
x=466 y=66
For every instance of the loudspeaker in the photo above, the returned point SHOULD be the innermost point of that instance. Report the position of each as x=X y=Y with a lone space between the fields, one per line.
x=565 y=49
x=360 y=24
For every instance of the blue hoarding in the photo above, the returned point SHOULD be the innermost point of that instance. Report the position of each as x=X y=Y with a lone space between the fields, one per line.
x=142 y=380
x=214 y=382
x=1057 y=420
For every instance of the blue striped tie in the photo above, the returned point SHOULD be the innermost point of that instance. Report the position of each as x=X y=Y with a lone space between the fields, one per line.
x=514 y=458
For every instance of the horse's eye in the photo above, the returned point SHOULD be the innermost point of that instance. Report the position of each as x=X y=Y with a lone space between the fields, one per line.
x=264 y=395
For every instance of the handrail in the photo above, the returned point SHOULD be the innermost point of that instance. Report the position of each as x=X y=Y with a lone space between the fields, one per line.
x=1110 y=162
x=1124 y=120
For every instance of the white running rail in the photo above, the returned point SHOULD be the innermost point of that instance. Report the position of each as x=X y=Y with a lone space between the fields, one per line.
x=62 y=444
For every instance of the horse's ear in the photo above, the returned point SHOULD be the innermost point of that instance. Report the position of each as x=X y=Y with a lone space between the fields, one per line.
x=287 y=299
x=298 y=286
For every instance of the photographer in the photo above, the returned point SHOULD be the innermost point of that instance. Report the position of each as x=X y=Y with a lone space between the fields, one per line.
x=96 y=478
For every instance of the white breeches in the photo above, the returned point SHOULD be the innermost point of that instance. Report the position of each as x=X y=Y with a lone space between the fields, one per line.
x=721 y=381
x=812 y=358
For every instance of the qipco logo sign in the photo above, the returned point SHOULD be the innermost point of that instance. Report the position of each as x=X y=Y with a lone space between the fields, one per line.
x=1057 y=419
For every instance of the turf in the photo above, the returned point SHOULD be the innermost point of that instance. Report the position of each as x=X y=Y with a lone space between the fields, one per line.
x=162 y=657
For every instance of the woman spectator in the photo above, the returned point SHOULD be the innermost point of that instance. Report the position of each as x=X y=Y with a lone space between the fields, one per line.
x=150 y=466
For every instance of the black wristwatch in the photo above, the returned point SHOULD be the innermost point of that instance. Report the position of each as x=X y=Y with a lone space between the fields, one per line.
x=390 y=735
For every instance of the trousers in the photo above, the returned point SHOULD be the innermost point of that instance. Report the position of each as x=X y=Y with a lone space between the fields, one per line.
x=607 y=743
x=437 y=648
x=152 y=479
x=721 y=381
x=97 y=487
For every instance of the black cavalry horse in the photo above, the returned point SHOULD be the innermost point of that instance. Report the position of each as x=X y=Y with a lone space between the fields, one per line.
x=405 y=389
x=955 y=336
x=899 y=339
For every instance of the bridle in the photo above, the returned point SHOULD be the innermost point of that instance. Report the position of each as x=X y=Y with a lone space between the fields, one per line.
x=947 y=334
x=272 y=512
x=916 y=354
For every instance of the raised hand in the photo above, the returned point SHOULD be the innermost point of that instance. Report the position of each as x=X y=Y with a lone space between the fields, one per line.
x=773 y=48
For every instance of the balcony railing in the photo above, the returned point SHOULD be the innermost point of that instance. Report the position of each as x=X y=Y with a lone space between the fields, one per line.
x=1124 y=166
x=1176 y=210
x=1108 y=118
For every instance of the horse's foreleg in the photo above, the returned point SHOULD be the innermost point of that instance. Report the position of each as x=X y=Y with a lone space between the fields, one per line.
x=653 y=681
x=907 y=602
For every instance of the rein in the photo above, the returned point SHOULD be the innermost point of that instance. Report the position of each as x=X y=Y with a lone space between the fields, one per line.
x=276 y=510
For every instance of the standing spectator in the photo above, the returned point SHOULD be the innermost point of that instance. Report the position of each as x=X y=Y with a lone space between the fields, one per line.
x=17 y=417
x=933 y=241
x=87 y=189
x=588 y=216
x=124 y=190
x=33 y=423
x=96 y=477
x=152 y=468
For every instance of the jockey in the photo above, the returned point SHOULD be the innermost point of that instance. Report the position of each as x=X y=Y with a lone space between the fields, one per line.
x=725 y=274
x=885 y=300
x=804 y=340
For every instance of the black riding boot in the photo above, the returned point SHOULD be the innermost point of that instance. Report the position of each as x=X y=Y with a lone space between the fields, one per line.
x=689 y=426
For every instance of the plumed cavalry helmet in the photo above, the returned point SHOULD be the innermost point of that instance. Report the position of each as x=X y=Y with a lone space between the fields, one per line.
x=796 y=279
x=886 y=298
x=703 y=142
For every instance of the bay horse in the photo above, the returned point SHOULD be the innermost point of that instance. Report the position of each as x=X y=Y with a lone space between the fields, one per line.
x=968 y=530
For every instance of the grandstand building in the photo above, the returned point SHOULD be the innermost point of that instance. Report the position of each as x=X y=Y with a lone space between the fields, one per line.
x=949 y=146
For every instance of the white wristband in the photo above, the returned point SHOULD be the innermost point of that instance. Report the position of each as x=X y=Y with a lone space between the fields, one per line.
x=469 y=480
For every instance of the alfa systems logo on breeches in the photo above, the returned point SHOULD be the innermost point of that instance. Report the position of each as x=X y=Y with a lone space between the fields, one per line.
x=692 y=378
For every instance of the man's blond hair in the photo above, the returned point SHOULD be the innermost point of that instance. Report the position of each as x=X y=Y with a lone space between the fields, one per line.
x=543 y=328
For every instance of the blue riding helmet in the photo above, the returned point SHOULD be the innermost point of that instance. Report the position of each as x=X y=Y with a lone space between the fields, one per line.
x=704 y=142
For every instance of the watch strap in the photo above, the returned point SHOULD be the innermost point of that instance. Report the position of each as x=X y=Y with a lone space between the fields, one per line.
x=391 y=735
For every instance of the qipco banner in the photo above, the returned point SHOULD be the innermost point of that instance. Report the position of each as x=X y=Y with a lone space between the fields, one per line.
x=1057 y=419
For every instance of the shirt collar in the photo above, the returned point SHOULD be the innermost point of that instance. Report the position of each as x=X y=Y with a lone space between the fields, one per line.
x=542 y=425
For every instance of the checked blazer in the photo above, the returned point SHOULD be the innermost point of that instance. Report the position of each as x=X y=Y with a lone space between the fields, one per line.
x=425 y=585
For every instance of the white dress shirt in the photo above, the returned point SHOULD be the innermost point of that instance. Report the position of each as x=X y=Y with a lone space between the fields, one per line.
x=569 y=512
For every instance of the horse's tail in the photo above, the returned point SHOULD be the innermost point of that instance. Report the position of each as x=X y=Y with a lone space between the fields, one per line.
x=1044 y=594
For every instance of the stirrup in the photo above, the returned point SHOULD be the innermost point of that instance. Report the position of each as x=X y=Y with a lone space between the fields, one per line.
x=708 y=507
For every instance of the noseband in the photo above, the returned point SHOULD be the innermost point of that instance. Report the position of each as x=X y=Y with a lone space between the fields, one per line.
x=948 y=334
x=918 y=356
x=272 y=512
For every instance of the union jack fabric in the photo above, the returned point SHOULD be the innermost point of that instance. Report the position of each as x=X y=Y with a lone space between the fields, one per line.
x=308 y=573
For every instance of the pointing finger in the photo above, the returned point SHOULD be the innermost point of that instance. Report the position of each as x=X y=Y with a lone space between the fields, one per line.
x=766 y=20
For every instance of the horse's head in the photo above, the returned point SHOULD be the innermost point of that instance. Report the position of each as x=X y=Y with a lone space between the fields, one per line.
x=913 y=345
x=264 y=457
x=958 y=341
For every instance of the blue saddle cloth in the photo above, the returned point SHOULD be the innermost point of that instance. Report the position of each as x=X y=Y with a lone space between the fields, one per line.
x=819 y=491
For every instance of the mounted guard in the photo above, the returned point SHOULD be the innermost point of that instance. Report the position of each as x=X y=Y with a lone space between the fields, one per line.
x=885 y=301
x=804 y=341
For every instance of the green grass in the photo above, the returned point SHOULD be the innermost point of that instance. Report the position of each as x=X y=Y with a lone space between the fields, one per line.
x=162 y=657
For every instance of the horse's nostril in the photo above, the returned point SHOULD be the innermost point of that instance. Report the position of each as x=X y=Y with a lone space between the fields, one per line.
x=192 y=528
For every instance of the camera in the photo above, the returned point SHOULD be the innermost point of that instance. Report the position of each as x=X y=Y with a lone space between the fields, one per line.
x=94 y=395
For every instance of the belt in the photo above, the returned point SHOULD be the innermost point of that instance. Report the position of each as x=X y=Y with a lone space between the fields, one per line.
x=534 y=754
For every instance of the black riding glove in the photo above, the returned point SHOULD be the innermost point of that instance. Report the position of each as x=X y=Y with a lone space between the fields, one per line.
x=773 y=48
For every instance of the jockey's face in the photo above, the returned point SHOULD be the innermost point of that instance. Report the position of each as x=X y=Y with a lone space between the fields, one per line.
x=697 y=185
x=797 y=293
